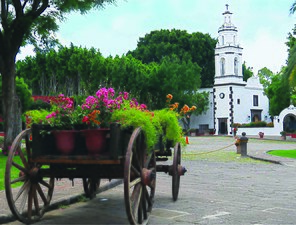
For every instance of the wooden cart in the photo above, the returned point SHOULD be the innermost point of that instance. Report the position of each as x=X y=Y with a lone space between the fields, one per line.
x=126 y=158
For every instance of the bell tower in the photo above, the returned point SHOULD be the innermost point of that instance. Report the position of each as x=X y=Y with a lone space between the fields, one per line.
x=228 y=54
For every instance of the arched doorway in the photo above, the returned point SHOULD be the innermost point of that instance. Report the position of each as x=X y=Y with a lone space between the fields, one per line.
x=289 y=123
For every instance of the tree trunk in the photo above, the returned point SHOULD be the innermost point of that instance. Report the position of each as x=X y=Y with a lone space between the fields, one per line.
x=11 y=103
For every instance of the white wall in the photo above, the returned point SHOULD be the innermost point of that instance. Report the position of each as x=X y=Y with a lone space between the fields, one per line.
x=206 y=117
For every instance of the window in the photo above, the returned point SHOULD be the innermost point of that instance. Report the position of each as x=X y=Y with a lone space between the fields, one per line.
x=256 y=115
x=255 y=100
x=222 y=40
x=222 y=67
x=235 y=66
x=238 y=101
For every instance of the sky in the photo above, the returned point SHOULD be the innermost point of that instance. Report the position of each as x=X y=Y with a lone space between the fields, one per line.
x=263 y=26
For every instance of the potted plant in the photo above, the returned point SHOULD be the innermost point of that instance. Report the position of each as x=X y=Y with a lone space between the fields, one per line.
x=283 y=135
x=171 y=131
x=261 y=134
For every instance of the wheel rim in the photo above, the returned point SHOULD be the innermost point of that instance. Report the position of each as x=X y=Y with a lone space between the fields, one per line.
x=176 y=175
x=139 y=179
x=29 y=201
x=91 y=186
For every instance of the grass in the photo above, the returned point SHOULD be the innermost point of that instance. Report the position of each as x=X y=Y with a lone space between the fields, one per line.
x=284 y=153
x=219 y=156
x=14 y=172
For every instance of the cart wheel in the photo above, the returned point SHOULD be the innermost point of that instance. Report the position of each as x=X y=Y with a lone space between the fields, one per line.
x=139 y=179
x=175 y=173
x=90 y=186
x=28 y=194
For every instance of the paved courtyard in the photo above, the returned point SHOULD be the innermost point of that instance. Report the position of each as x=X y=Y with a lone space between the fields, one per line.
x=211 y=192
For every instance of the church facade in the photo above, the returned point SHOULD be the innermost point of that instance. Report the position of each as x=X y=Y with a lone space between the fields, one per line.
x=231 y=100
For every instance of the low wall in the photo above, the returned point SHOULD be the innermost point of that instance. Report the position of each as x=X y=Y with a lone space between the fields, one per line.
x=255 y=131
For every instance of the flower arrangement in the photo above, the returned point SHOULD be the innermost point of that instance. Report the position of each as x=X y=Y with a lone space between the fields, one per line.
x=61 y=116
x=106 y=107
x=97 y=110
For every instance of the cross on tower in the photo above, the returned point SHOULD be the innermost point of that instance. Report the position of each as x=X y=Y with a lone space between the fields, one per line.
x=226 y=7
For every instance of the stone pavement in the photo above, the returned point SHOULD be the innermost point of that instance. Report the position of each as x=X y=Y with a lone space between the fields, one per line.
x=65 y=193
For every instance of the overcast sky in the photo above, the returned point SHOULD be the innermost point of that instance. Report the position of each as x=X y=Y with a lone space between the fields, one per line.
x=263 y=26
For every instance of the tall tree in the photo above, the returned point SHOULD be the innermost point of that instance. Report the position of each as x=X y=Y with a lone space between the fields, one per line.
x=265 y=77
x=24 y=22
x=197 y=47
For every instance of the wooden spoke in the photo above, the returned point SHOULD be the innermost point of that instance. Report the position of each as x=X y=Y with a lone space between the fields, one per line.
x=137 y=172
x=30 y=201
x=136 y=197
x=41 y=194
x=48 y=185
x=148 y=198
x=36 y=203
x=19 y=179
x=22 y=189
x=24 y=198
x=30 y=194
x=138 y=200
x=135 y=182
x=144 y=203
x=24 y=160
x=19 y=167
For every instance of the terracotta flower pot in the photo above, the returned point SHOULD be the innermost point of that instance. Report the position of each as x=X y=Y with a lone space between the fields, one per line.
x=65 y=141
x=96 y=140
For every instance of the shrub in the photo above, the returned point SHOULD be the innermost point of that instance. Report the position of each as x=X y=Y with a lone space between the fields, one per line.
x=1 y=141
x=39 y=104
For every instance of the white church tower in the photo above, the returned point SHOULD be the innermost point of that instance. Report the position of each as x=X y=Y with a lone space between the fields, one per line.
x=228 y=74
x=231 y=99
x=228 y=54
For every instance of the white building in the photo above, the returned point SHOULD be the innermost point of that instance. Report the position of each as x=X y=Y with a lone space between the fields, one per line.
x=232 y=100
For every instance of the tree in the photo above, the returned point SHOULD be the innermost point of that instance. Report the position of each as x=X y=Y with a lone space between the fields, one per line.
x=33 y=22
x=265 y=77
x=197 y=47
x=278 y=94
x=247 y=72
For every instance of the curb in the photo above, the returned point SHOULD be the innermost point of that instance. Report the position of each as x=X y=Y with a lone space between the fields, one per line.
x=266 y=160
x=69 y=201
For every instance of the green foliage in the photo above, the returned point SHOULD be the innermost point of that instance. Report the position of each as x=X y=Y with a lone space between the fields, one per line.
x=132 y=117
x=39 y=104
x=36 y=116
x=179 y=78
x=23 y=92
x=77 y=72
x=265 y=77
x=252 y=124
x=279 y=97
x=1 y=141
x=247 y=72
x=171 y=129
x=196 y=47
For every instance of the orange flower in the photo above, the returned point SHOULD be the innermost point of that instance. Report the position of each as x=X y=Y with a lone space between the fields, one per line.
x=169 y=96
x=193 y=108
x=92 y=116
x=185 y=109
